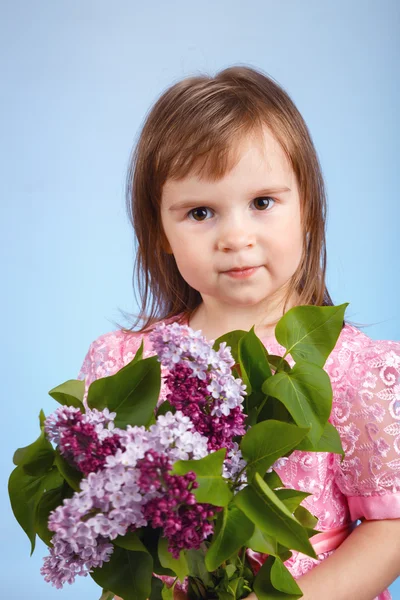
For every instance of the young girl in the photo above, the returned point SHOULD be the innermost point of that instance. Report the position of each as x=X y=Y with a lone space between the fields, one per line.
x=227 y=201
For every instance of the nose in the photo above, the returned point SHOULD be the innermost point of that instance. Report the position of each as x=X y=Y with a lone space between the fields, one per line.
x=236 y=234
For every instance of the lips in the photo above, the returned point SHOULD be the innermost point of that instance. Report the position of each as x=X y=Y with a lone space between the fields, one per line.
x=240 y=268
x=241 y=272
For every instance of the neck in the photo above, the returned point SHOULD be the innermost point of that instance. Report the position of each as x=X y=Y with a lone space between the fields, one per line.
x=215 y=320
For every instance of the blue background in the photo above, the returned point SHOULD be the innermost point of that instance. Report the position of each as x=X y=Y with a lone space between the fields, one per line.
x=77 y=78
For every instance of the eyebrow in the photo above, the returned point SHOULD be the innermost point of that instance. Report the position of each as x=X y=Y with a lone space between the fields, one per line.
x=198 y=202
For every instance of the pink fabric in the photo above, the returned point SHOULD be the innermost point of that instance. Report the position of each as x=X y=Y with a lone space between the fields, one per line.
x=325 y=541
x=365 y=377
x=331 y=539
x=375 y=507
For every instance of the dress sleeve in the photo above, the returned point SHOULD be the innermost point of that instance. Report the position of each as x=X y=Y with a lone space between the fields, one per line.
x=369 y=475
x=86 y=371
x=104 y=357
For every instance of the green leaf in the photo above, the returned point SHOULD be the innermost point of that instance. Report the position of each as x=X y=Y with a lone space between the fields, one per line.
x=106 y=595
x=277 y=362
x=48 y=502
x=167 y=593
x=42 y=418
x=127 y=574
x=262 y=542
x=40 y=452
x=71 y=475
x=156 y=589
x=253 y=362
x=291 y=498
x=177 y=565
x=267 y=441
x=157 y=586
x=236 y=585
x=305 y=517
x=329 y=442
x=273 y=581
x=130 y=541
x=230 y=569
x=197 y=567
x=309 y=333
x=25 y=492
x=232 y=531
x=139 y=354
x=273 y=480
x=132 y=392
x=275 y=410
x=262 y=506
x=37 y=458
x=232 y=340
x=150 y=537
x=213 y=488
x=282 y=580
x=226 y=595
x=69 y=393
x=283 y=553
x=251 y=411
x=152 y=421
x=165 y=407
x=306 y=392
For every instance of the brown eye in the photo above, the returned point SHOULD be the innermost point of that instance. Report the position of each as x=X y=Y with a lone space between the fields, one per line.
x=199 y=214
x=263 y=202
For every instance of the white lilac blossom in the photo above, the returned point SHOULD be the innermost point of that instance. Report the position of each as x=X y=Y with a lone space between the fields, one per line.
x=234 y=464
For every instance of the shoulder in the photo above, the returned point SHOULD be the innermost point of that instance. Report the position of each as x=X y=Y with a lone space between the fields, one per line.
x=355 y=355
x=372 y=368
x=355 y=345
x=374 y=353
x=113 y=350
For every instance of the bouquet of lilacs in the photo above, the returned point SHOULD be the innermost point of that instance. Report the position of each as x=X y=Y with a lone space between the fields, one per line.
x=147 y=497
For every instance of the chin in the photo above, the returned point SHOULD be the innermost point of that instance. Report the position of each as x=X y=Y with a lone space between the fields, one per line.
x=245 y=301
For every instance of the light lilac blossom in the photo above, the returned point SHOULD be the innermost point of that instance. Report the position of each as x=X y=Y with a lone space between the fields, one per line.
x=127 y=483
x=113 y=500
x=201 y=383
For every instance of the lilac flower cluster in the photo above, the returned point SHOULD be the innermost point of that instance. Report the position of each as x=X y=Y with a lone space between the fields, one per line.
x=127 y=483
x=202 y=386
x=118 y=497
x=201 y=383
x=85 y=440
x=182 y=519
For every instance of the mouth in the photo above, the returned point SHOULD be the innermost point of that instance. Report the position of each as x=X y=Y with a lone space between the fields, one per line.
x=241 y=272
x=239 y=269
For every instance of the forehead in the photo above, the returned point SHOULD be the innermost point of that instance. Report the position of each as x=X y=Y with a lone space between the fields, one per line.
x=256 y=159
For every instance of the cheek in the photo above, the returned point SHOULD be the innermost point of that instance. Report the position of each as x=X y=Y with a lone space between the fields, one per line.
x=286 y=251
x=190 y=261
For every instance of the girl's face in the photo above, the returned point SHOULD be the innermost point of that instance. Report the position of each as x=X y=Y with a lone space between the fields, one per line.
x=249 y=218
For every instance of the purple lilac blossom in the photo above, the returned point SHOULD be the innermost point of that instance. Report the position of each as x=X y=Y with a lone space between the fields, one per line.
x=202 y=386
x=111 y=501
x=84 y=439
x=128 y=485
x=185 y=523
x=201 y=383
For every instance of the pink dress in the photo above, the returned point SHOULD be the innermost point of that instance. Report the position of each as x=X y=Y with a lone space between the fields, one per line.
x=365 y=377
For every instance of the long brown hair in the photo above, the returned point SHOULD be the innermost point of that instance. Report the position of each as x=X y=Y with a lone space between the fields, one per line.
x=195 y=127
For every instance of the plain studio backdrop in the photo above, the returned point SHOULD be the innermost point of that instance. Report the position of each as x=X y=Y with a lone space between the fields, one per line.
x=77 y=79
